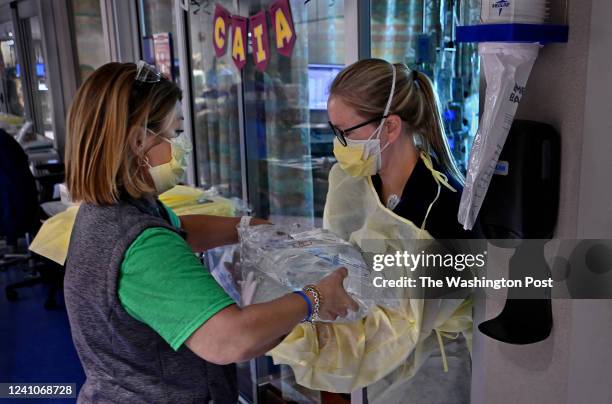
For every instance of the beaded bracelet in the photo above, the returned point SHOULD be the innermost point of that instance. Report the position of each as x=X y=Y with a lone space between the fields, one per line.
x=317 y=298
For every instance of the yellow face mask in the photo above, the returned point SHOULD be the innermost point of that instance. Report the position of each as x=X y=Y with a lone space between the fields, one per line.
x=166 y=176
x=350 y=158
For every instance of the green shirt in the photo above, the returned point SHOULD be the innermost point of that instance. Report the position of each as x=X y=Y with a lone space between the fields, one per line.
x=164 y=285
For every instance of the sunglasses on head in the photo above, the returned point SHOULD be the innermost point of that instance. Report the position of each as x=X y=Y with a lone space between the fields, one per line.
x=146 y=73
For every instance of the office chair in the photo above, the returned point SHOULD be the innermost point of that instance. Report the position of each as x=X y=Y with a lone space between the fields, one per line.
x=20 y=217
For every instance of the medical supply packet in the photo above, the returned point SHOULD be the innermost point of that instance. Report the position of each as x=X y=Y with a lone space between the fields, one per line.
x=285 y=259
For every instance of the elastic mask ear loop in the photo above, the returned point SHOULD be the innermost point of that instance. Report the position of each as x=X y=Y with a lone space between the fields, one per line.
x=378 y=130
x=144 y=160
x=385 y=147
x=164 y=138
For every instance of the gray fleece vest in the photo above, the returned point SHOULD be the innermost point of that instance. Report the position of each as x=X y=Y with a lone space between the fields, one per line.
x=125 y=360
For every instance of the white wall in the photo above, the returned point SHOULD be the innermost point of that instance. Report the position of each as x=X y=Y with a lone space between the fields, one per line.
x=595 y=196
x=570 y=88
x=590 y=359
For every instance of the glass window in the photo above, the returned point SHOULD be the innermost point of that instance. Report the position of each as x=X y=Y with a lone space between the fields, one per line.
x=11 y=89
x=159 y=36
x=288 y=141
x=215 y=83
x=421 y=33
x=89 y=36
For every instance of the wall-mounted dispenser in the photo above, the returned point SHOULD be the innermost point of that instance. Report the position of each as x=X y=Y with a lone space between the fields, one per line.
x=510 y=35
x=521 y=207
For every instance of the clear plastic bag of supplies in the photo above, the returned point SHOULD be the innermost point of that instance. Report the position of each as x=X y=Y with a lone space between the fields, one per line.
x=283 y=259
x=222 y=264
x=507 y=67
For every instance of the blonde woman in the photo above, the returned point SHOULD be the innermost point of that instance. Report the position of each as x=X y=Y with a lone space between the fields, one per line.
x=149 y=322
x=396 y=180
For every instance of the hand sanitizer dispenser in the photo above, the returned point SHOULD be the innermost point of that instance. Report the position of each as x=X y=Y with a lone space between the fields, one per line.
x=522 y=204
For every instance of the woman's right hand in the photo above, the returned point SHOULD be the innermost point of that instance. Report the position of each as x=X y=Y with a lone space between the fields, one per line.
x=222 y=340
x=335 y=302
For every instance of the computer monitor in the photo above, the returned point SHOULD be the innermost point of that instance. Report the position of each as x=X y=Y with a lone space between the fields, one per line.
x=320 y=77
x=40 y=69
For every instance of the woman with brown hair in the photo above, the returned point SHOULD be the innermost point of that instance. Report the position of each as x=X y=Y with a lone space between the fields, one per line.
x=149 y=322
x=396 y=181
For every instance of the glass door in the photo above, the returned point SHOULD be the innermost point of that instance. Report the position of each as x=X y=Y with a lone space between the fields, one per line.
x=33 y=67
x=288 y=141
x=216 y=84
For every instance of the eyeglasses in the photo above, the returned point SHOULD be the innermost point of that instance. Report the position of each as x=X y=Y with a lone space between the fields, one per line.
x=147 y=73
x=341 y=134
x=170 y=134
x=176 y=132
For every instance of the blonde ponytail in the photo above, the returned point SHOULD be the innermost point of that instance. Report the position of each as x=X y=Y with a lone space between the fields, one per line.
x=434 y=133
